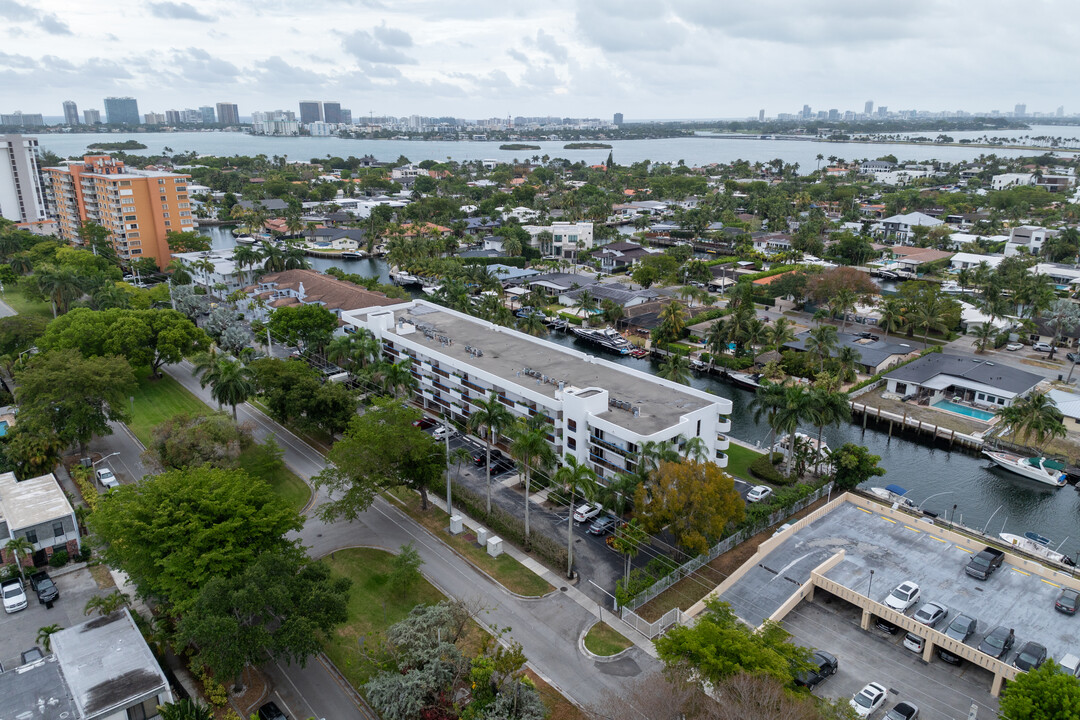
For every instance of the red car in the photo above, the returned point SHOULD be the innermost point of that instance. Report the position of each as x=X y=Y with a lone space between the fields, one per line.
x=424 y=423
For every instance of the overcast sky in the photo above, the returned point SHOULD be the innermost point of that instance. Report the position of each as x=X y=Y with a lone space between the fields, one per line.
x=491 y=58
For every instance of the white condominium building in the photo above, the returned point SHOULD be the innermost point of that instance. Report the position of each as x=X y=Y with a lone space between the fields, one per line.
x=598 y=411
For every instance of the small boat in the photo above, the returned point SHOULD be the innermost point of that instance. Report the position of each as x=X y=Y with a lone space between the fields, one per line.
x=803 y=439
x=698 y=365
x=404 y=278
x=351 y=255
x=607 y=338
x=639 y=352
x=1041 y=469
x=746 y=381
x=431 y=289
x=1041 y=539
x=1034 y=547
x=893 y=494
x=246 y=240
x=952 y=287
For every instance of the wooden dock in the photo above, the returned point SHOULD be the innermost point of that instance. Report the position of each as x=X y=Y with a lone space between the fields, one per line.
x=921 y=427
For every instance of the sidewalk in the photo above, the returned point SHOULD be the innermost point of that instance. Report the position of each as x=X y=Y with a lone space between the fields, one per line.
x=558 y=581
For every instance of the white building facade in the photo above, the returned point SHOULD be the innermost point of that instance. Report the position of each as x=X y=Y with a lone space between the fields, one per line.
x=567 y=237
x=597 y=411
x=22 y=196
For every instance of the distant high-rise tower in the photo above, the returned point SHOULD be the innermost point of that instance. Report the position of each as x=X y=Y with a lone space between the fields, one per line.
x=21 y=196
x=1060 y=111
x=208 y=116
x=617 y=119
x=806 y=112
x=834 y=114
x=71 y=113
x=311 y=112
x=121 y=111
x=761 y=115
x=227 y=114
x=92 y=117
x=883 y=111
x=332 y=112
x=346 y=116
x=1020 y=110
x=869 y=107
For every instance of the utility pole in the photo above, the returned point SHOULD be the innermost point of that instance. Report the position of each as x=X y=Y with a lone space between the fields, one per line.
x=449 y=496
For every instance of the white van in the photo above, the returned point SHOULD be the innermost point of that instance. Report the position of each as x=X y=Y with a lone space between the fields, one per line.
x=1070 y=664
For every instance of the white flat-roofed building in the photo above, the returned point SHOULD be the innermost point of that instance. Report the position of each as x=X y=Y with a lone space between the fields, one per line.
x=38 y=510
x=964 y=260
x=599 y=412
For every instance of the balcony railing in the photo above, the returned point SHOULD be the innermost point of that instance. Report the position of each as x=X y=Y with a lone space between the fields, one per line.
x=610 y=446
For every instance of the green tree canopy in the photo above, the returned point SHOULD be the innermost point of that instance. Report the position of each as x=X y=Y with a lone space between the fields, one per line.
x=173 y=532
x=853 y=465
x=694 y=500
x=294 y=393
x=307 y=325
x=191 y=440
x=1046 y=693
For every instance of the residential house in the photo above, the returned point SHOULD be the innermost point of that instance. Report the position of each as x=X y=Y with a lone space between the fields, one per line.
x=648 y=208
x=1028 y=239
x=293 y=288
x=771 y=242
x=900 y=228
x=508 y=273
x=617 y=293
x=942 y=376
x=1055 y=183
x=968 y=261
x=554 y=284
x=1063 y=276
x=272 y=205
x=1069 y=405
x=912 y=258
x=960 y=240
x=619 y=256
x=481 y=226
x=1042 y=330
x=567 y=237
x=875 y=355
x=872 y=167
x=100 y=669
x=523 y=214
x=38 y=510
x=212 y=269
x=1008 y=180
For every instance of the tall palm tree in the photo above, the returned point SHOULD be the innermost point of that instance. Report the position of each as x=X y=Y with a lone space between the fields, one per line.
x=675 y=368
x=586 y=303
x=780 y=333
x=20 y=548
x=186 y=709
x=577 y=479
x=767 y=401
x=246 y=256
x=649 y=456
x=618 y=491
x=273 y=258
x=1035 y=416
x=533 y=325
x=492 y=419
x=848 y=358
x=231 y=382
x=794 y=409
x=61 y=285
x=821 y=342
x=891 y=310
x=928 y=315
x=530 y=447
x=673 y=315
x=44 y=636
x=984 y=336
x=397 y=378
x=842 y=303
x=826 y=407
x=695 y=449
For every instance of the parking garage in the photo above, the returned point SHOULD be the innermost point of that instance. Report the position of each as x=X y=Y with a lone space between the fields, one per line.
x=858 y=551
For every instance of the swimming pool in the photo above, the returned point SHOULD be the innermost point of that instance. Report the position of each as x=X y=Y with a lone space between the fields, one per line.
x=3 y=428
x=950 y=406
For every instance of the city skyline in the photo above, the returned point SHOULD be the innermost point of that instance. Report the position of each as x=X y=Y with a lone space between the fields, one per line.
x=676 y=60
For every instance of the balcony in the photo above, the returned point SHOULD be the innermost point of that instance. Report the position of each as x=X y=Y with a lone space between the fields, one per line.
x=474 y=386
x=722 y=442
x=605 y=464
x=723 y=423
x=610 y=446
x=721 y=459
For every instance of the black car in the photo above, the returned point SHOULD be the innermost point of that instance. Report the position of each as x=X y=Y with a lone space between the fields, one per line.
x=46 y=589
x=1067 y=601
x=603 y=525
x=270 y=711
x=500 y=465
x=903 y=711
x=960 y=629
x=826 y=665
x=999 y=642
x=1073 y=357
x=885 y=626
x=1030 y=657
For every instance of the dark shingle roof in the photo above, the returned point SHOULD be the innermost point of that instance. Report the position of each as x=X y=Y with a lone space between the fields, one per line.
x=871 y=353
x=968 y=367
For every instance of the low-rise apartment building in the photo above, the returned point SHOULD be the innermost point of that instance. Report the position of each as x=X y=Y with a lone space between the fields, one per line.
x=139 y=208
x=597 y=411
x=567 y=238
x=37 y=510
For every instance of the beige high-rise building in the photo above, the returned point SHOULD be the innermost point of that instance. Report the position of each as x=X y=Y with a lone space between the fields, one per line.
x=139 y=208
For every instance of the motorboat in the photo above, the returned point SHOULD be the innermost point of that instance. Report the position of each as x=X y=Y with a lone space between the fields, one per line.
x=607 y=338
x=952 y=287
x=1040 y=469
x=893 y=494
x=246 y=240
x=747 y=381
x=823 y=452
x=404 y=278
x=352 y=255
x=1033 y=546
x=639 y=352
x=698 y=365
x=431 y=289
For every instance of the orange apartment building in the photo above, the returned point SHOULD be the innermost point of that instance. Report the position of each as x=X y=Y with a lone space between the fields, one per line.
x=139 y=208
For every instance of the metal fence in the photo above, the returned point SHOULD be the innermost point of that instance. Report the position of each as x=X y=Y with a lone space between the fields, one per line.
x=693 y=565
x=651 y=629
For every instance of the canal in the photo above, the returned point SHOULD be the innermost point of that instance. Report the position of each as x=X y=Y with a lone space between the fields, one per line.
x=985 y=497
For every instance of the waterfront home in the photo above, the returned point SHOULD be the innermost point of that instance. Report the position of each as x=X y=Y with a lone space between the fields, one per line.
x=771 y=242
x=618 y=256
x=38 y=510
x=872 y=167
x=293 y=288
x=901 y=228
x=875 y=355
x=943 y=377
x=1008 y=180
x=554 y=284
x=1069 y=405
x=567 y=238
x=1027 y=240
x=970 y=261
x=270 y=205
x=912 y=259
x=508 y=273
x=1064 y=277
x=213 y=268
x=617 y=293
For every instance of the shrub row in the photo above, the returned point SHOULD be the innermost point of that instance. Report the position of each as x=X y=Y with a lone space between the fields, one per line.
x=82 y=476
x=641 y=579
x=764 y=468
x=572 y=319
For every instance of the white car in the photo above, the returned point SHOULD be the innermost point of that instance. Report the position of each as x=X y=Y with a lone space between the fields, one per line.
x=781 y=529
x=587 y=512
x=1014 y=346
x=107 y=479
x=903 y=597
x=14 y=596
x=1041 y=347
x=758 y=493
x=442 y=432
x=869 y=699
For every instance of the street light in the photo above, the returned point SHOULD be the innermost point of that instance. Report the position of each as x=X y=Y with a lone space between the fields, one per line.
x=871 y=585
x=104 y=458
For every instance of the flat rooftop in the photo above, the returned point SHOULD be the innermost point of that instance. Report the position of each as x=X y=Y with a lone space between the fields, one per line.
x=898 y=551
x=31 y=502
x=506 y=353
x=36 y=691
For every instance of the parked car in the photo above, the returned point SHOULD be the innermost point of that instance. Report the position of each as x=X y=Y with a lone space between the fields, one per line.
x=983 y=565
x=270 y=711
x=604 y=525
x=825 y=665
x=1073 y=357
x=1070 y=664
x=885 y=626
x=442 y=432
x=960 y=629
x=1031 y=656
x=903 y=596
x=587 y=512
x=46 y=589
x=107 y=479
x=931 y=613
x=914 y=643
x=998 y=642
x=758 y=493
x=1067 y=601
x=1014 y=346
x=903 y=711
x=14 y=595
x=780 y=530
x=869 y=699
x=1041 y=347
x=424 y=423
x=501 y=464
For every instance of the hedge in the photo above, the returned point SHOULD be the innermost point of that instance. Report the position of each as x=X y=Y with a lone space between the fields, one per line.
x=883 y=373
x=775 y=270
x=572 y=319
x=732 y=363
x=764 y=468
x=709 y=315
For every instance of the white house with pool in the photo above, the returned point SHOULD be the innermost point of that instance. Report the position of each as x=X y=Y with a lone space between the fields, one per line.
x=961 y=384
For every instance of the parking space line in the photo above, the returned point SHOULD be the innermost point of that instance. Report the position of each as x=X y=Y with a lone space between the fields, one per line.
x=1021 y=572
x=864 y=510
x=1049 y=583
x=888 y=519
x=962 y=549
x=946 y=542
x=912 y=529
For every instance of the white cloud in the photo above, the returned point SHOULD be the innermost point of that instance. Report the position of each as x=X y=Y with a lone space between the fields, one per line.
x=178 y=11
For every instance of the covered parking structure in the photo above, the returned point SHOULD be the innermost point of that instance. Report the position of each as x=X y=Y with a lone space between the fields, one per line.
x=859 y=550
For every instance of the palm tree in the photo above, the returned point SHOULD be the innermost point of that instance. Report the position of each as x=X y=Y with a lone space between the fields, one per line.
x=273 y=258
x=530 y=447
x=20 y=548
x=576 y=478
x=794 y=408
x=397 y=378
x=849 y=359
x=246 y=256
x=673 y=315
x=231 y=382
x=984 y=336
x=928 y=315
x=617 y=492
x=826 y=407
x=695 y=449
x=779 y=334
x=106 y=604
x=491 y=418
x=1035 y=416
x=586 y=303
x=842 y=303
x=532 y=324
x=61 y=285
x=891 y=310
x=44 y=636
x=675 y=368
x=767 y=401
x=186 y=709
x=650 y=455
x=821 y=342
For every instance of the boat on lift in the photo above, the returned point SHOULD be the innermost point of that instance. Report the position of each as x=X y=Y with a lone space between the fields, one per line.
x=1032 y=543
x=1040 y=469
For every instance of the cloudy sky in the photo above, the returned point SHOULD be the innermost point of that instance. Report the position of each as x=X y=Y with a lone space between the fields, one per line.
x=491 y=58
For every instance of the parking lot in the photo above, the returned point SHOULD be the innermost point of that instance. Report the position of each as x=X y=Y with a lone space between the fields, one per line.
x=18 y=631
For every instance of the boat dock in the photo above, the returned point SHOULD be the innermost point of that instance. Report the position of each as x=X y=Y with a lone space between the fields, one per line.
x=936 y=432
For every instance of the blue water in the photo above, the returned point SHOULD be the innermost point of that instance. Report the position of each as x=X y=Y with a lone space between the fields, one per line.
x=950 y=406
x=3 y=428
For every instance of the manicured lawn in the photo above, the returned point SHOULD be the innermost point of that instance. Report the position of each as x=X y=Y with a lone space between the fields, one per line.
x=24 y=306
x=739 y=459
x=158 y=400
x=603 y=640
x=510 y=573
x=372 y=607
x=288 y=485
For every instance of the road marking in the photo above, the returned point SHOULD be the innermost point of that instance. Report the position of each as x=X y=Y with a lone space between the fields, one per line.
x=912 y=529
x=888 y=519
x=962 y=549
x=1048 y=582
x=1022 y=573
x=946 y=542
x=856 y=507
x=295 y=689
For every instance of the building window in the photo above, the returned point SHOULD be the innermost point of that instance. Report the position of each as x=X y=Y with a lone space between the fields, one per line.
x=136 y=252
x=161 y=181
x=131 y=218
x=698 y=428
x=58 y=528
x=31 y=537
x=571 y=443
x=571 y=425
x=146 y=710
x=164 y=206
x=133 y=235
x=127 y=201
x=168 y=223
x=125 y=183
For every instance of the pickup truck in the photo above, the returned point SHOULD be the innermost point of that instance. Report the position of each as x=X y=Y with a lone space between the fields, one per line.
x=983 y=565
x=45 y=588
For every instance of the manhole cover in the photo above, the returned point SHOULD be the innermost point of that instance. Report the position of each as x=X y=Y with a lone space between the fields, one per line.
x=562 y=589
